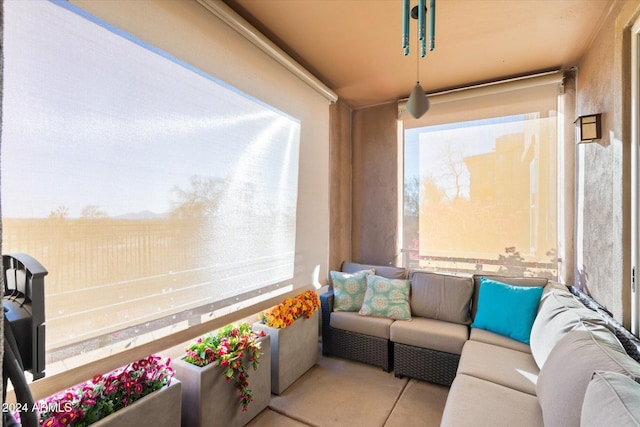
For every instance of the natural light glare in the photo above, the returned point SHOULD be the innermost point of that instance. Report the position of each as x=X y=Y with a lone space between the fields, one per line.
x=480 y=196
x=151 y=191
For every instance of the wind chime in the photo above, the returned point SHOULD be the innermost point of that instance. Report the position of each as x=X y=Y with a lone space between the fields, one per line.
x=418 y=103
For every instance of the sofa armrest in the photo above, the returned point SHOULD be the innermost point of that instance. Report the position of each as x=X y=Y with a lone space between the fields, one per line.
x=326 y=304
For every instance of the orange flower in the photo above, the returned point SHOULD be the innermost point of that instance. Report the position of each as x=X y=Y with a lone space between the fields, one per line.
x=291 y=309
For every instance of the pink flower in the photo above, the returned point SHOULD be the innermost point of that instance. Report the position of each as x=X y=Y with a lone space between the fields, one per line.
x=141 y=377
x=65 y=419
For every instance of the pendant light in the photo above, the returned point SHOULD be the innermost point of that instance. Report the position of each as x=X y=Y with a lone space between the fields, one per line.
x=418 y=103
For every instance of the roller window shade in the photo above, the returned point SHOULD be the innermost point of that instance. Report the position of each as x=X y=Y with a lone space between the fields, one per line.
x=158 y=184
x=480 y=180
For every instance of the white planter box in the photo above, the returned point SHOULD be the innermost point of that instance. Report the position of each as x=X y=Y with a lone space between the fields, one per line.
x=160 y=408
x=209 y=400
x=294 y=350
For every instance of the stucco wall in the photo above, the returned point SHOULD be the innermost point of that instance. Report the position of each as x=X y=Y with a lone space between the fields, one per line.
x=603 y=241
x=375 y=184
x=340 y=185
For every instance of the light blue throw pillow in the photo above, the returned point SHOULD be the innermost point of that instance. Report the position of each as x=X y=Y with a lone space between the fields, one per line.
x=349 y=289
x=386 y=298
x=507 y=310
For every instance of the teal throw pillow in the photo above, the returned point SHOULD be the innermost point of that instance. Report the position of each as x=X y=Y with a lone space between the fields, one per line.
x=349 y=289
x=507 y=310
x=386 y=298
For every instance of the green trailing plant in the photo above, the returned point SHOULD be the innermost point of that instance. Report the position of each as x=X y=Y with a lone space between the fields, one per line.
x=228 y=347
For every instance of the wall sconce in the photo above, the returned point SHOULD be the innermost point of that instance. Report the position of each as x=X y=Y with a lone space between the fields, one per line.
x=588 y=128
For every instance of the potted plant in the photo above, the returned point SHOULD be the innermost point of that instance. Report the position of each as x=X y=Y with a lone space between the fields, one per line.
x=233 y=354
x=293 y=328
x=140 y=393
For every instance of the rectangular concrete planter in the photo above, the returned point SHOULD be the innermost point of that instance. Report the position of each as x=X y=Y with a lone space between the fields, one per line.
x=209 y=400
x=160 y=408
x=294 y=350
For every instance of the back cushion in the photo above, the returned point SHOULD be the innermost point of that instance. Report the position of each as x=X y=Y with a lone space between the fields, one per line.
x=558 y=314
x=612 y=399
x=441 y=296
x=564 y=378
x=387 y=271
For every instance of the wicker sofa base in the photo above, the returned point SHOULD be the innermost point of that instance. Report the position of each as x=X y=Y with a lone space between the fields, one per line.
x=425 y=364
x=352 y=345
x=360 y=348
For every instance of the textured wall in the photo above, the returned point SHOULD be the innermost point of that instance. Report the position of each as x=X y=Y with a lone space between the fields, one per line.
x=375 y=184
x=603 y=86
x=340 y=185
x=566 y=192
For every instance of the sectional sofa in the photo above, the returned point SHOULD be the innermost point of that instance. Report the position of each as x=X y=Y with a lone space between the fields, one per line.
x=514 y=351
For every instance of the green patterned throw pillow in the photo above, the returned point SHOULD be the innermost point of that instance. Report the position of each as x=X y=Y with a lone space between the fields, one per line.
x=349 y=289
x=386 y=298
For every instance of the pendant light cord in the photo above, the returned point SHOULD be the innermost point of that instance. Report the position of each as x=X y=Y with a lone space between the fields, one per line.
x=417 y=61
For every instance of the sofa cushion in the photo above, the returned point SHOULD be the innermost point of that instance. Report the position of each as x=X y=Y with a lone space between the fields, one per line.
x=349 y=289
x=441 y=296
x=430 y=333
x=475 y=402
x=388 y=271
x=559 y=313
x=506 y=309
x=489 y=337
x=500 y=365
x=386 y=298
x=564 y=377
x=349 y=321
x=611 y=399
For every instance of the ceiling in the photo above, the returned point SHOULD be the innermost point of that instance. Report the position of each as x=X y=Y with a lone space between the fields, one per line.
x=354 y=46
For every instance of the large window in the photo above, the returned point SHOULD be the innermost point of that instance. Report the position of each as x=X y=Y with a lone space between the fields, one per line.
x=480 y=183
x=155 y=194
